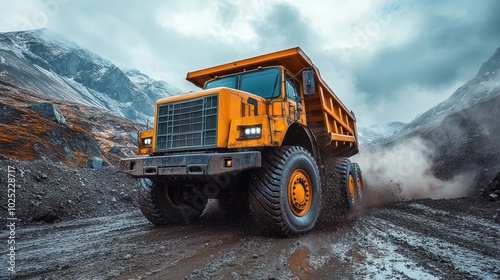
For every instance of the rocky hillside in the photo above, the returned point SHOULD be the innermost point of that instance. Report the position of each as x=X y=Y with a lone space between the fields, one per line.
x=464 y=130
x=53 y=66
x=63 y=156
x=38 y=127
x=458 y=138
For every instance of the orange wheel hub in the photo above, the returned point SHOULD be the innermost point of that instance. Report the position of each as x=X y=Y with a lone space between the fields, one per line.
x=360 y=187
x=299 y=192
x=352 y=188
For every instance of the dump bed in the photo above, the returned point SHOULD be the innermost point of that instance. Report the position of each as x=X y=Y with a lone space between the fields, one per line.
x=332 y=123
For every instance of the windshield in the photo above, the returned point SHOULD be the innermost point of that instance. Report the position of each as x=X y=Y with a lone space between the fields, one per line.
x=263 y=82
x=229 y=82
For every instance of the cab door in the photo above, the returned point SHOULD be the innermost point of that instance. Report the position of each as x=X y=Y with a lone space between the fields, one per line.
x=293 y=100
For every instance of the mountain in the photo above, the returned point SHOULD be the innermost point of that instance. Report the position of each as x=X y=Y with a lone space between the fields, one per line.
x=375 y=133
x=485 y=85
x=462 y=134
x=51 y=65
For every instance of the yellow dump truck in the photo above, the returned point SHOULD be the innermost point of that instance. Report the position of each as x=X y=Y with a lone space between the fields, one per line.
x=252 y=138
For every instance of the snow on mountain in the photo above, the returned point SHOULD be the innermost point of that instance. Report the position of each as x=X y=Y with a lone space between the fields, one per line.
x=459 y=138
x=484 y=86
x=149 y=85
x=378 y=132
x=51 y=65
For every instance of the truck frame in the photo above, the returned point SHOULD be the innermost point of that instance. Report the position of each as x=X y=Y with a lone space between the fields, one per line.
x=252 y=138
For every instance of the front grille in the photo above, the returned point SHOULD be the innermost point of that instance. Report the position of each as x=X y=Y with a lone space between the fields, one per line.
x=187 y=124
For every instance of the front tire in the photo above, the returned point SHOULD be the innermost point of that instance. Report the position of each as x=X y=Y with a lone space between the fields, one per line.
x=285 y=193
x=164 y=204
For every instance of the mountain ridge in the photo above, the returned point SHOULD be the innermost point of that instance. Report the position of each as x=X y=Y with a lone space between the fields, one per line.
x=50 y=64
x=456 y=141
x=485 y=85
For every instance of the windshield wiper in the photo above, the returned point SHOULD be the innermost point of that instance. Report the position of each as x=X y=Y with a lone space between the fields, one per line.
x=274 y=86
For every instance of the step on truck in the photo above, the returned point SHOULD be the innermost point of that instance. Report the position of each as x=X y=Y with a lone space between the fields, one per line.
x=252 y=138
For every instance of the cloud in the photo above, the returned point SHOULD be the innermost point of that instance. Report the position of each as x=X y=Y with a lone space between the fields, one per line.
x=387 y=59
x=444 y=46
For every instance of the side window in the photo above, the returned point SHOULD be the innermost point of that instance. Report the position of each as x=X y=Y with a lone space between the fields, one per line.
x=292 y=88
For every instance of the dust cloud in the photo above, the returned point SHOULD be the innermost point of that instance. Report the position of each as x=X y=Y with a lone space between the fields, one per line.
x=404 y=172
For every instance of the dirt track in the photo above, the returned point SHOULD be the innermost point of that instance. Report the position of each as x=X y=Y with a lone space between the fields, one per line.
x=424 y=239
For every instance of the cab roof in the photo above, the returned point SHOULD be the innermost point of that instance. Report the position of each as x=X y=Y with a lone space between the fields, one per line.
x=293 y=59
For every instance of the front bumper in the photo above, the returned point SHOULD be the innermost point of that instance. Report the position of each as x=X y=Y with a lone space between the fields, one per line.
x=189 y=165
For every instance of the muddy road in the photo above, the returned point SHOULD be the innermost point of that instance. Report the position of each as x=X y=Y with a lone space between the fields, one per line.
x=421 y=239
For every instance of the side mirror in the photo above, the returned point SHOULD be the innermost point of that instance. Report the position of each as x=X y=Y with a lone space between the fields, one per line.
x=308 y=82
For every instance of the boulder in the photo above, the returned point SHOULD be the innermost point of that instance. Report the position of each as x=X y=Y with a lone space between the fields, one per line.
x=96 y=163
x=48 y=111
x=115 y=150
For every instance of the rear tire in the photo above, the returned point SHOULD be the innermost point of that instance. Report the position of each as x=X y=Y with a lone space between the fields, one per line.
x=345 y=181
x=285 y=193
x=163 y=204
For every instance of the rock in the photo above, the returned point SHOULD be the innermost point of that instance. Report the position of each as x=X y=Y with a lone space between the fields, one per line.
x=493 y=197
x=117 y=138
x=95 y=163
x=492 y=193
x=8 y=114
x=48 y=111
x=113 y=200
x=126 y=197
x=47 y=217
x=115 y=150
x=128 y=256
x=89 y=116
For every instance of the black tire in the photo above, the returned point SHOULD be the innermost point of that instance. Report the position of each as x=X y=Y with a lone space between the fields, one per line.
x=360 y=184
x=163 y=204
x=270 y=196
x=345 y=181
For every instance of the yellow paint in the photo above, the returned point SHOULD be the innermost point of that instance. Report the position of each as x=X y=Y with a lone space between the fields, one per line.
x=148 y=149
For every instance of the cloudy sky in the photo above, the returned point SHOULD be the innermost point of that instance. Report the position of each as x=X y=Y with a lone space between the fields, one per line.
x=388 y=60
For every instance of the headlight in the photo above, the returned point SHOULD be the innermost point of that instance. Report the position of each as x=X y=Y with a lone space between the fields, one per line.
x=251 y=132
x=147 y=141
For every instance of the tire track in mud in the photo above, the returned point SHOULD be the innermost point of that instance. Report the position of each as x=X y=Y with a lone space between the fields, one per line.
x=52 y=248
x=474 y=234
x=407 y=240
x=447 y=244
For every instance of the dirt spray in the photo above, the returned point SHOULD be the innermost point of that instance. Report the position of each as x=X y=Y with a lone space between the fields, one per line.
x=403 y=172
